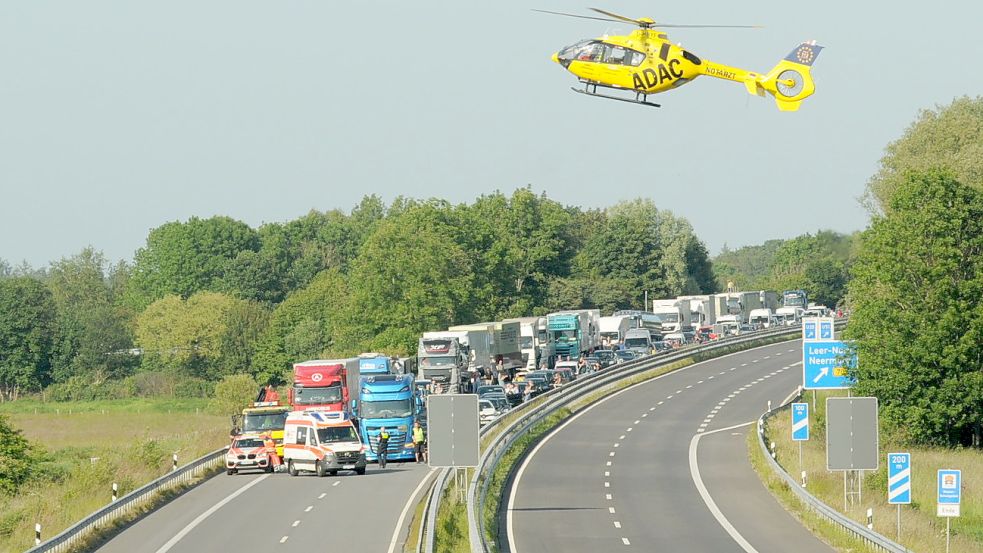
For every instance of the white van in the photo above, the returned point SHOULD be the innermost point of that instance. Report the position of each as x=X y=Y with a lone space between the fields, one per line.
x=321 y=442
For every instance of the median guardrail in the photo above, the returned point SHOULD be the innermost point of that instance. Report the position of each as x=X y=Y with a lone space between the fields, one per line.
x=75 y=535
x=540 y=408
x=870 y=538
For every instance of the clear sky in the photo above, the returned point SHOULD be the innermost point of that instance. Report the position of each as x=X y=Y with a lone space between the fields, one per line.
x=118 y=116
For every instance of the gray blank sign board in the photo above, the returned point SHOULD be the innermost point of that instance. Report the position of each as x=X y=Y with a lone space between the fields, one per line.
x=851 y=433
x=452 y=430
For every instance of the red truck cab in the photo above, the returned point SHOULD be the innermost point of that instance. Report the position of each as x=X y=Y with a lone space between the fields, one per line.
x=324 y=385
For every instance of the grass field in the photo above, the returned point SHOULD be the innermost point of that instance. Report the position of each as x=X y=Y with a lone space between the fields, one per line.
x=89 y=446
x=921 y=529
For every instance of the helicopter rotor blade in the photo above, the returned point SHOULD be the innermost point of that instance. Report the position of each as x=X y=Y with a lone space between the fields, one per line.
x=616 y=16
x=579 y=16
x=710 y=26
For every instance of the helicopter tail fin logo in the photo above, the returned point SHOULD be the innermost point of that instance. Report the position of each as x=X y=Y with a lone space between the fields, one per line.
x=790 y=81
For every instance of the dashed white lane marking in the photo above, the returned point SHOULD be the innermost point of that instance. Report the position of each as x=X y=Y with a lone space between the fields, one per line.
x=710 y=377
x=724 y=372
x=699 y=382
x=611 y=510
x=721 y=404
x=791 y=350
x=617 y=524
x=734 y=368
x=644 y=415
x=336 y=482
x=651 y=408
x=616 y=444
x=743 y=365
x=767 y=357
x=629 y=429
x=322 y=496
x=679 y=391
x=754 y=360
x=607 y=496
x=198 y=520
x=611 y=454
x=690 y=386
x=609 y=463
x=284 y=539
x=668 y=397
x=777 y=354
x=625 y=541
x=607 y=473
x=636 y=422
x=661 y=402
x=296 y=523
x=607 y=484
x=622 y=437
x=308 y=509
x=711 y=415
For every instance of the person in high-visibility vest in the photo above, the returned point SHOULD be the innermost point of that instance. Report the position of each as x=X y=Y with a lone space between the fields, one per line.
x=419 y=442
x=270 y=444
x=383 y=447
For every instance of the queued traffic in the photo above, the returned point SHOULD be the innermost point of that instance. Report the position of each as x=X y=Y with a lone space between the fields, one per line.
x=342 y=414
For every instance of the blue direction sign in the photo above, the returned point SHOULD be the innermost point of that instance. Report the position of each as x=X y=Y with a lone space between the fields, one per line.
x=950 y=490
x=899 y=478
x=825 y=329
x=809 y=328
x=825 y=365
x=800 y=422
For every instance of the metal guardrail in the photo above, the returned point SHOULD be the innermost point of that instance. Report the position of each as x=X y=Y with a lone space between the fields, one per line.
x=870 y=538
x=76 y=534
x=545 y=405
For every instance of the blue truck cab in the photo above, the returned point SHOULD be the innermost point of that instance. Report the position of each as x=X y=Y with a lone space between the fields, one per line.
x=567 y=335
x=373 y=363
x=387 y=400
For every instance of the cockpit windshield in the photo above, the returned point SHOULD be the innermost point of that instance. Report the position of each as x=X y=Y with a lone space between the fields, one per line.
x=597 y=51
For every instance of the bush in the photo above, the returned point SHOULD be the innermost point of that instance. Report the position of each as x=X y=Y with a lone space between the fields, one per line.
x=194 y=387
x=15 y=457
x=234 y=393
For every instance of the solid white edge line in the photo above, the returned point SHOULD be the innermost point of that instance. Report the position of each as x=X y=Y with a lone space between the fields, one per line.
x=406 y=509
x=694 y=471
x=200 y=518
x=555 y=431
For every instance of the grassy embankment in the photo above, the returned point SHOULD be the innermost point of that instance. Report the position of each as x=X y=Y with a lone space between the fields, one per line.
x=89 y=446
x=921 y=529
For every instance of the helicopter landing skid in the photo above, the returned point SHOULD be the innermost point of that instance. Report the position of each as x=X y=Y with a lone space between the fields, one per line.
x=639 y=97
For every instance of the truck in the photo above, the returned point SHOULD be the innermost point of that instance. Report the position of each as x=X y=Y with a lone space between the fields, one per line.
x=479 y=339
x=675 y=314
x=574 y=332
x=795 y=298
x=373 y=363
x=613 y=329
x=325 y=385
x=387 y=401
x=742 y=303
x=535 y=343
x=701 y=311
x=442 y=359
x=504 y=344
x=260 y=418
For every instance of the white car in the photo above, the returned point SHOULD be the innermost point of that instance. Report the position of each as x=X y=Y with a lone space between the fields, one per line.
x=486 y=411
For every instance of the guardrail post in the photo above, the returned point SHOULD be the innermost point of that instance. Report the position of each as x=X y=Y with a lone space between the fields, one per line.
x=174 y=462
x=803 y=479
x=37 y=534
x=115 y=489
x=870 y=519
x=773 y=454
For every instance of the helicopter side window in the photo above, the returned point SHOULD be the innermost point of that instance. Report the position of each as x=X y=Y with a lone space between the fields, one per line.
x=592 y=52
x=635 y=58
x=614 y=54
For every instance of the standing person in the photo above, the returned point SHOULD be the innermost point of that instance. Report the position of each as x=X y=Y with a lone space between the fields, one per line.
x=527 y=392
x=270 y=445
x=419 y=442
x=383 y=447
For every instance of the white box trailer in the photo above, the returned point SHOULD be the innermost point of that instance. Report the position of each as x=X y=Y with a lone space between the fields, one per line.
x=675 y=314
x=478 y=338
x=613 y=329
x=505 y=344
x=701 y=311
x=535 y=342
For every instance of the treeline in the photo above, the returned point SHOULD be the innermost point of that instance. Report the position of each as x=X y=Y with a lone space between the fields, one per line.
x=819 y=264
x=212 y=297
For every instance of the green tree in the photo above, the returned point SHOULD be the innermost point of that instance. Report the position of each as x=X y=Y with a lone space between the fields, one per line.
x=189 y=336
x=305 y=326
x=92 y=333
x=27 y=329
x=411 y=276
x=234 y=393
x=748 y=267
x=816 y=263
x=15 y=457
x=184 y=258
x=917 y=301
x=949 y=137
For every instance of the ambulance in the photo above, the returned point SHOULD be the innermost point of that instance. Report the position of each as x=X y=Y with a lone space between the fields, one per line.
x=322 y=442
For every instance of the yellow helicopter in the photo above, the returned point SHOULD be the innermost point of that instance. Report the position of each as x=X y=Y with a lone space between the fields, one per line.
x=645 y=62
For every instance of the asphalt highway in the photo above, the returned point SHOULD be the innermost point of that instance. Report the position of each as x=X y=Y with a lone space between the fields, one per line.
x=277 y=512
x=662 y=466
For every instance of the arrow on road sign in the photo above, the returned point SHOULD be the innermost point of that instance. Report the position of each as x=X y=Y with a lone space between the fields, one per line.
x=822 y=372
